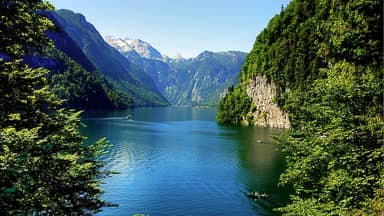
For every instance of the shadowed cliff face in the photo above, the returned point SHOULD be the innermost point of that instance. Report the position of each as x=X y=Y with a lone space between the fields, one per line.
x=126 y=76
x=267 y=113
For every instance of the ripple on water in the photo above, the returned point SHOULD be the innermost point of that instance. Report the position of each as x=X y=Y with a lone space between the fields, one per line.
x=189 y=167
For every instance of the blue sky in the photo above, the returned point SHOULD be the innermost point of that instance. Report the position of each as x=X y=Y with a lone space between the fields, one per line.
x=185 y=27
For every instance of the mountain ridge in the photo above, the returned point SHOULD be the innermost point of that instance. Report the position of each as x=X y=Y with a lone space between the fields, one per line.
x=141 y=47
x=201 y=80
x=127 y=76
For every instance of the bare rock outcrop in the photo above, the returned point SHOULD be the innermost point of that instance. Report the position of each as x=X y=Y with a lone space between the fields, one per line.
x=267 y=112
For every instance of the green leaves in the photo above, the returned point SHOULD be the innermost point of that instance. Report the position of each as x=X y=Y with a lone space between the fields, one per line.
x=329 y=54
x=45 y=167
x=336 y=159
x=233 y=107
x=18 y=29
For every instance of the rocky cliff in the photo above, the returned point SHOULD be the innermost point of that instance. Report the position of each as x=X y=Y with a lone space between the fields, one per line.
x=266 y=113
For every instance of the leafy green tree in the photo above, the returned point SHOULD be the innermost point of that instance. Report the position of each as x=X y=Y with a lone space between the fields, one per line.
x=45 y=166
x=335 y=151
x=329 y=53
x=233 y=107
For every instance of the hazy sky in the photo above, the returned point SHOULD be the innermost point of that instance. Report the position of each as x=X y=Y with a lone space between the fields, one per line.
x=187 y=27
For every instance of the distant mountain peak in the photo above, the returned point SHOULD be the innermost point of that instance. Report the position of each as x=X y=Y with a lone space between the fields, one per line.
x=127 y=45
x=229 y=53
x=200 y=80
x=178 y=56
x=204 y=54
x=121 y=73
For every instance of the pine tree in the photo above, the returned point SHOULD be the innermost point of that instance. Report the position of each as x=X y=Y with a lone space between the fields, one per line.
x=45 y=166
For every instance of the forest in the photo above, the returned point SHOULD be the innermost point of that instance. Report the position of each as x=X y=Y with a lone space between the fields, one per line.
x=45 y=166
x=326 y=56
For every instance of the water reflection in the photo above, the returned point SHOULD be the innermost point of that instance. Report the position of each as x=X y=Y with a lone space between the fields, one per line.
x=259 y=157
x=178 y=161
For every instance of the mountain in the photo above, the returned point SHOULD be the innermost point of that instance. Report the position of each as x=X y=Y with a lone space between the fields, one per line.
x=202 y=80
x=126 y=76
x=127 y=45
x=74 y=78
x=317 y=68
x=79 y=88
x=284 y=60
x=195 y=81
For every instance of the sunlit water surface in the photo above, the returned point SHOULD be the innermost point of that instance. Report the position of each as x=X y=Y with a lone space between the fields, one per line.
x=179 y=161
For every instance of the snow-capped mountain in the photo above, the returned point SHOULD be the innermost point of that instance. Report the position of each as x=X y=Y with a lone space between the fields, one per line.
x=128 y=46
x=202 y=80
x=123 y=75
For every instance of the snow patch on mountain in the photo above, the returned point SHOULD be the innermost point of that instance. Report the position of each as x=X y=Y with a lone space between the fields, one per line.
x=128 y=45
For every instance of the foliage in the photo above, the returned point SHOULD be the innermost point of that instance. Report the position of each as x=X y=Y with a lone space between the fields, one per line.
x=124 y=75
x=82 y=89
x=17 y=33
x=329 y=54
x=308 y=35
x=236 y=105
x=335 y=152
x=45 y=167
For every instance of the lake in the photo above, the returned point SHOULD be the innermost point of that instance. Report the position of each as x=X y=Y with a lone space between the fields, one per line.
x=179 y=161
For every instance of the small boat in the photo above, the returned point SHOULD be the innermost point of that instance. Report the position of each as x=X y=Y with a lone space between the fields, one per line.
x=129 y=116
x=254 y=195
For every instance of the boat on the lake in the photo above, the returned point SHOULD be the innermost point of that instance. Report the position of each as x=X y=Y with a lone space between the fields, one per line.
x=129 y=116
x=256 y=195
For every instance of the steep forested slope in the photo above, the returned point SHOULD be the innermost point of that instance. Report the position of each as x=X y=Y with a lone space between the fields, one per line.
x=306 y=37
x=80 y=88
x=326 y=58
x=73 y=77
x=128 y=77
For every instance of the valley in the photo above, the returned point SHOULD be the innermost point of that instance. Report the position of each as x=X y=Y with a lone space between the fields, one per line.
x=92 y=124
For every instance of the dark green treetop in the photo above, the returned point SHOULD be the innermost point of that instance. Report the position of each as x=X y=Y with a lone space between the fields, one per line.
x=329 y=54
x=45 y=167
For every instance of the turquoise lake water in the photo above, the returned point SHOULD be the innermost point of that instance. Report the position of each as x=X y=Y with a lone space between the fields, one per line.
x=179 y=161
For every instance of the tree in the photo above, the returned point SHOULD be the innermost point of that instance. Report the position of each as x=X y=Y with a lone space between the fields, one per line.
x=335 y=151
x=329 y=54
x=45 y=166
x=233 y=107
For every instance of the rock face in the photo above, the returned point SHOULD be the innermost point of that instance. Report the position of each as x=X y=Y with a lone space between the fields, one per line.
x=267 y=113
